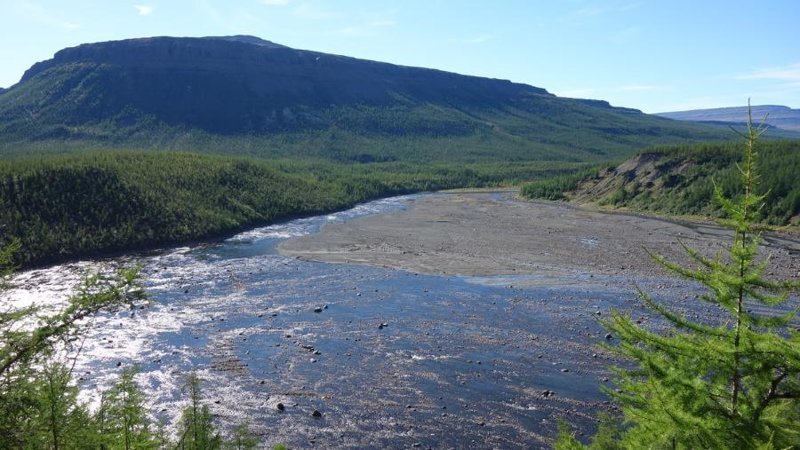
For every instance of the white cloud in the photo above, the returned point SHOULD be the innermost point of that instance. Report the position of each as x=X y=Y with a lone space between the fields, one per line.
x=275 y=2
x=144 y=10
x=789 y=74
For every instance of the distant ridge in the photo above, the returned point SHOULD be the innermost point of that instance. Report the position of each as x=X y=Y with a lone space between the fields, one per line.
x=777 y=116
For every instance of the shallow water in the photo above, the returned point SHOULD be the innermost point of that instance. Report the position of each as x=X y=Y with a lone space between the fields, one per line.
x=391 y=359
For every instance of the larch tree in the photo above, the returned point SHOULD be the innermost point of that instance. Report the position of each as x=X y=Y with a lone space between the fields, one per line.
x=729 y=382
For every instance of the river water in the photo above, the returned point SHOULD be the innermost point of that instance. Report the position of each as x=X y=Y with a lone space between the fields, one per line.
x=389 y=358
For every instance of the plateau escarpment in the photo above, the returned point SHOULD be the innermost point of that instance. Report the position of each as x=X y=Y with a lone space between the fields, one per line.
x=244 y=95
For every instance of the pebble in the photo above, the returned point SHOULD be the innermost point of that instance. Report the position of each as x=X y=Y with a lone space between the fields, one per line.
x=316 y=414
x=318 y=309
x=281 y=407
x=609 y=336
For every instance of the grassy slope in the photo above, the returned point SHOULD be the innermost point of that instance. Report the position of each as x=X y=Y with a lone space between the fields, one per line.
x=88 y=203
x=680 y=180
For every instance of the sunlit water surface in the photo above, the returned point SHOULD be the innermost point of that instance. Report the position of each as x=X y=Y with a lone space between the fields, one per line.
x=390 y=358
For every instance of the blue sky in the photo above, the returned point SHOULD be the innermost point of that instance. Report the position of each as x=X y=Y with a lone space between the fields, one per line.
x=652 y=55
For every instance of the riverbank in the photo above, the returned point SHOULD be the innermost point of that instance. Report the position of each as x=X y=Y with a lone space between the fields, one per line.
x=479 y=234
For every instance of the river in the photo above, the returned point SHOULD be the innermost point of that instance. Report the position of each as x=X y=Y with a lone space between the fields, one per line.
x=390 y=358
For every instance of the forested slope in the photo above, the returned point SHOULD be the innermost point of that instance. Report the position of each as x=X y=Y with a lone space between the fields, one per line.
x=91 y=203
x=681 y=179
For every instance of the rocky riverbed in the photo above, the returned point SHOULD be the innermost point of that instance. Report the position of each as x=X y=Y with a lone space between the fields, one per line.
x=493 y=234
x=451 y=320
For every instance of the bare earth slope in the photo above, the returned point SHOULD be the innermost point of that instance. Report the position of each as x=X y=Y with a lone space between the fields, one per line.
x=493 y=234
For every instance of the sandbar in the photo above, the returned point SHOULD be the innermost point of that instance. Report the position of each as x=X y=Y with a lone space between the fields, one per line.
x=487 y=234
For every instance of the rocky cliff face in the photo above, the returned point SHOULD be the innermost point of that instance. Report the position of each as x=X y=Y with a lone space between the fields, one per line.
x=233 y=85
